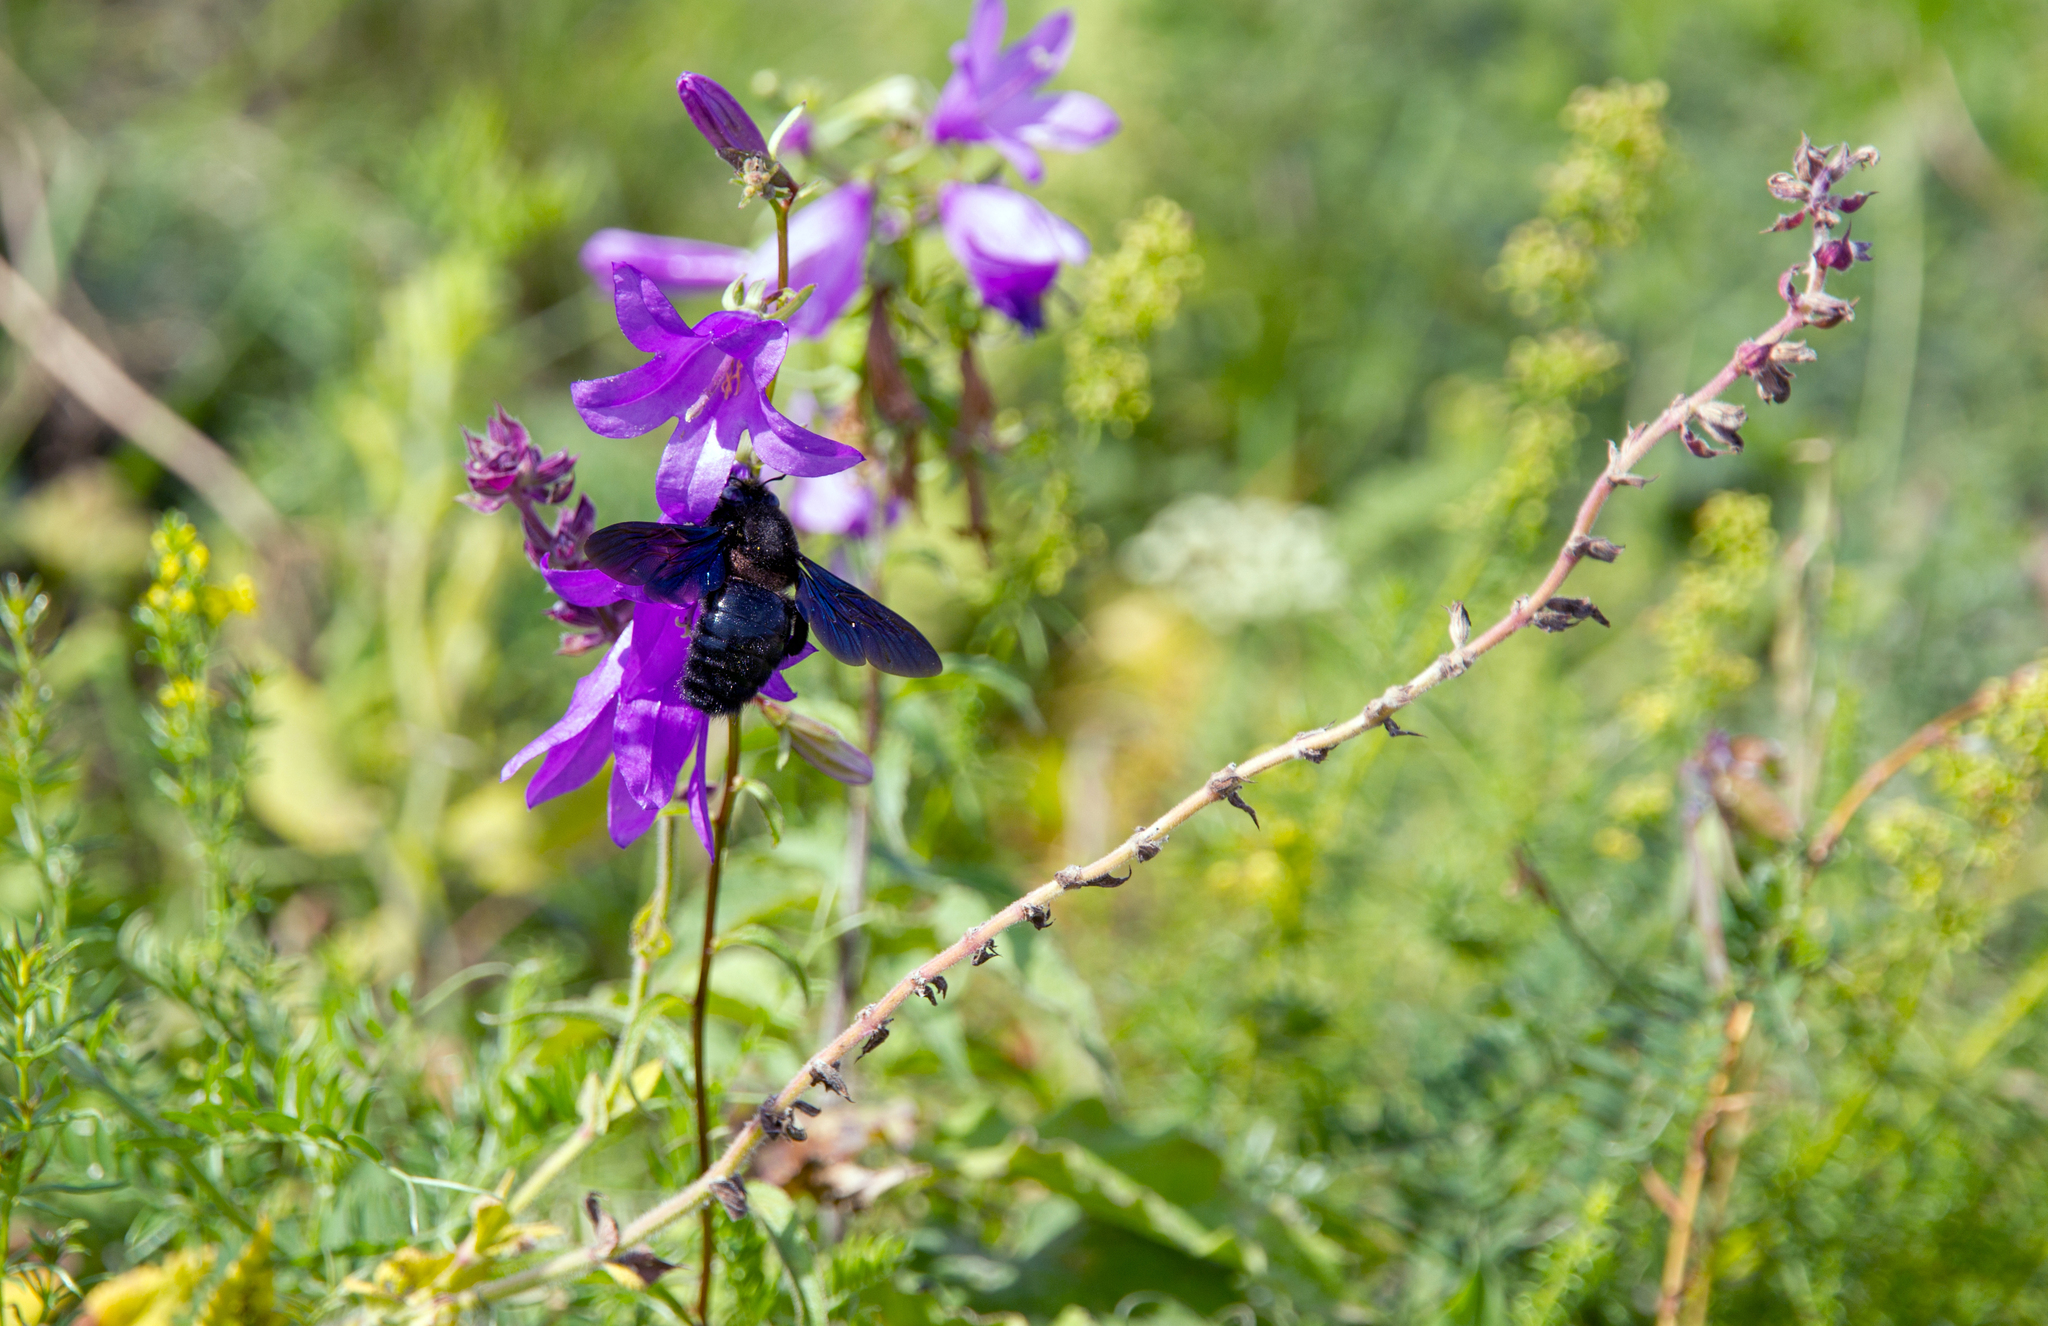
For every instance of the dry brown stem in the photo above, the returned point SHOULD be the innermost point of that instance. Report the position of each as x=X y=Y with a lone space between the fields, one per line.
x=1932 y=734
x=102 y=386
x=1683 y=1206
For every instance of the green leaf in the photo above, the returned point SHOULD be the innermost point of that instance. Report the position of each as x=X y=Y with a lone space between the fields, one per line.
x=1110 y=1195
x=760 y=937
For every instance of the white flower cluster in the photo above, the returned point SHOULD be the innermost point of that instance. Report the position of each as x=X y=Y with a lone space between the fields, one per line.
x=1231 y=562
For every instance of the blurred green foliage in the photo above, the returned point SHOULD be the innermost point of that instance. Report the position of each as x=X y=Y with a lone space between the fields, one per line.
x=319 y=983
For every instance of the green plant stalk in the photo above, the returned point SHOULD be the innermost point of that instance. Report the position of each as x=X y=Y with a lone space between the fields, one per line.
x=720 y=833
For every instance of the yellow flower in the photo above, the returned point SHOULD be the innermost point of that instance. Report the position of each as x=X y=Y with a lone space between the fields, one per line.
x=150 y=1295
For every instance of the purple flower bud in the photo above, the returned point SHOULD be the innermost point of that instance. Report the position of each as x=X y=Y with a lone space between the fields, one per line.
x=732 y=134
x=1835 y=254
x=1854 y=202
x=570 y=532
x=1788 y=188
x=1749 y=356
x=498 y=461
x=1011 y=247
x=719 y=116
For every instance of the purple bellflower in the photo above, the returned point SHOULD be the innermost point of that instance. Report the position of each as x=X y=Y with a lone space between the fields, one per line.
x=993 y=95
x=710 y=379
x=828 y=245
x=1011 y=247
x=630 y=710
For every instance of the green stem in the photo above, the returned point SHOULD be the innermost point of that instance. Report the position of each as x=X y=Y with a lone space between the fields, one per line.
x=719 y=833
x=780 y=206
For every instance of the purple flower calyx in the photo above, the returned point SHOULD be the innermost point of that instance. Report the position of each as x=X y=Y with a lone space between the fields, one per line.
x=504 y=464
x=733 y=134
x=1811 y=181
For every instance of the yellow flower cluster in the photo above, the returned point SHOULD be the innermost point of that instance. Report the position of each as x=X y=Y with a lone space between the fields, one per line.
x=1130 y=294
x=1594 y=198
x=1734 y=550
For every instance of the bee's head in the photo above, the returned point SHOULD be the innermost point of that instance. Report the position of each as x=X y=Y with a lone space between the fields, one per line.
x=744 y=489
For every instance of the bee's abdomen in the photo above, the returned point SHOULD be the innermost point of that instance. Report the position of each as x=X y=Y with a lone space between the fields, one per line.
x=742 y=635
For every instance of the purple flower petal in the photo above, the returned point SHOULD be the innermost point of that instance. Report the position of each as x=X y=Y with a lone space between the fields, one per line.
x=593 y=695
x=1074 y=122
x=984 y=41
x=649 y=321
x=683 y=266
x=693 y=471
x=573 y=763
x=628 y=817
x=699 y=802
x=791 y=448
x=641 y=399
x=588 y=587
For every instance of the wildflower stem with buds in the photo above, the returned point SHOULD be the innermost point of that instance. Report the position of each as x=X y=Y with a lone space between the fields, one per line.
x=1764 y=359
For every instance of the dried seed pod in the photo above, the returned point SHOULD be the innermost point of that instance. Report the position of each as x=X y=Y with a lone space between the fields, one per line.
x=1461 y=624
x=604 y=1229
x=875 y=1038
x=985 y=953
x=1561 y=614
x=829 y=1077
x=1600 y=550
x=1039 y=915
x=732 y=1195
x=641 y=1265
x=1393 y=729
x=805 y=1107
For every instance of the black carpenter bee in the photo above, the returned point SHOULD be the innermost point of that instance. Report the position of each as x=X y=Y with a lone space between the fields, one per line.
x=738 y=563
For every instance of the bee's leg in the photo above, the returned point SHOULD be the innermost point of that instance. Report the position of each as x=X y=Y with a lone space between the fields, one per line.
x=799 y=633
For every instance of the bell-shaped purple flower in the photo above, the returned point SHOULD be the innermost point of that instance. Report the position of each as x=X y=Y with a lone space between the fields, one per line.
x=993 y=95
x=630 y=710
x=1011 y=247
x=710 y=379
x=828 y=245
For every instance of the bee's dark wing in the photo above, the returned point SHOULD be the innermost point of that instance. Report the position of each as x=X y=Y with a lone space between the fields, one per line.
x=855 y=629
x=674 y=563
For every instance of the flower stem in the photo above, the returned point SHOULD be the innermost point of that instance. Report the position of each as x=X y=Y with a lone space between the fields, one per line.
x=719 y=833
x=781 y=207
